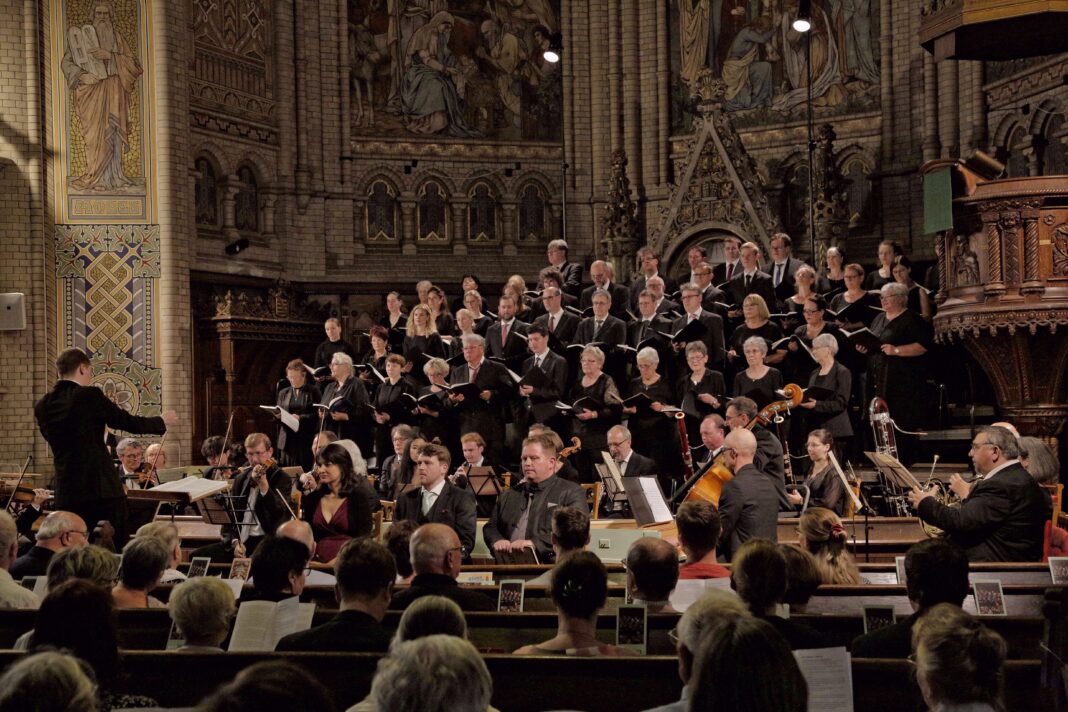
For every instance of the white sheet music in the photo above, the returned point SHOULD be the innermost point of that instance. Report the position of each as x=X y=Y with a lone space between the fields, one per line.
x=261 y=624
x=689 y=591
x=288 y=419
x=829 y=676
x=195 y=487
x=655 y=498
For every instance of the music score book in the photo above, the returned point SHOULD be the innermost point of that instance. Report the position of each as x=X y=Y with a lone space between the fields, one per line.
x=647 y=501
x=288 y=419
x=829 y=675
x=261 y=624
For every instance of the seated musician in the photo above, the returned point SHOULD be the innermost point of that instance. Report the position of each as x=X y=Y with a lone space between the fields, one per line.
x=435 y=551
x=131 y=462
x=769 y=452
x=825 y=487
x=389 y=469
x=571 y=534
x=1005 y=513
x=336 y=510
x=713 y=431
x=218 y=454
x=202 y=610
x=652 y=571
x=936 y=572
x=144 y=559
x=473 y=448
x=698 y=525
x=256 y=496
x=365 y=571
x=156 y=457
x=712 y=608
x=58 y=531
x=959 y=661
x=521 y=517
x=630 y=463
x=749 y=502
x=437 y=500
x=758 y=574
x=279 y=569
x=579 y=591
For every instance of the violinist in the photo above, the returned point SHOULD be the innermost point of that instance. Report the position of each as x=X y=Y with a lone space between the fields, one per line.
x=131 y=462
x=155 y=460
x=218 y=454
x=257 y=496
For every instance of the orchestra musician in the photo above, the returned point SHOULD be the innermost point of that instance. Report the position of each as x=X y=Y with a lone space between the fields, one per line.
x=72 y=418
x=749 y=503
x=768 y=457
x=713 y=432
x=630 y=463
x=299 y=398
x=131 y=463
x=824 y=485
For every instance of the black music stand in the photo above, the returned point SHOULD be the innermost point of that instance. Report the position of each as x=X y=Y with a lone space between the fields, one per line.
x=483 y=482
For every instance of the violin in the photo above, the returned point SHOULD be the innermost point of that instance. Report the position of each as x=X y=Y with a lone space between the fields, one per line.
x=571 y=449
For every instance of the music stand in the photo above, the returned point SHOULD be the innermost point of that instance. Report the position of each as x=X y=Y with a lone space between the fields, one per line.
x=483 y=482
x=612 y=480
x=893 y=471
x=647 y=501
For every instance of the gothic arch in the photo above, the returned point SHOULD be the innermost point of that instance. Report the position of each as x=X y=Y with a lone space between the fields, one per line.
x=549 y=186
x=854 y=152
x=701 y=233
x=376 y=173
x=490 y=178
x=425 y=176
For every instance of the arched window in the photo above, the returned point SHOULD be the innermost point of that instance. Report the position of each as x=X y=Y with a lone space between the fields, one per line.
x=433 y=221
x=1054 y=158
x=247 y=202
x=482 y=215
x=532 y=215
x=381 y=215
x=206 y=193
x=1016 y=165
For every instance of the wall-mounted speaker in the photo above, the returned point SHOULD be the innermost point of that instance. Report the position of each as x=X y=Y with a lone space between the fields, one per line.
x=12 y=312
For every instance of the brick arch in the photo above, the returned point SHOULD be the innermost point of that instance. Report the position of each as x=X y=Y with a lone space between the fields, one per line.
x=490 y=178
x=425 y=176
x=552 y=193
x=216 y=156
x=386 y=173
x=1043 y=115
x=1006 y=127
x=262 y=172
x=854 y=152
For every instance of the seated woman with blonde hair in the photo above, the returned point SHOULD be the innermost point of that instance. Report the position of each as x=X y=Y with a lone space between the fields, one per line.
x=579 y=591
x=822 y=534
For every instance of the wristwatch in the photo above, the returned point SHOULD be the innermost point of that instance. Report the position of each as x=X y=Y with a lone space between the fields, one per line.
x=897 y=351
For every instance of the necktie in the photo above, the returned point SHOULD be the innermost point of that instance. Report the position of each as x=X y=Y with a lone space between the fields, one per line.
x=428 y=501
x=730 y=270
x=520 y=531
x=537 y=362
x=552 y=323
x=622 y=468
x=474 y=373
x=748 y=281
x=597 y=327
x=504 y=332
x=778 y=274
x=693 y=317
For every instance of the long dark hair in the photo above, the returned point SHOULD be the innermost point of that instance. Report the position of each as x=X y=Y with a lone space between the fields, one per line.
x=334 y=454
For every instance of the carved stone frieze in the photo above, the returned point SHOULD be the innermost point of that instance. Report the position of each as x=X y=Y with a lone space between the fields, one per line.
x=233 y=127
x=1060 y=250
x=503 y=151
x=975 y=324
x=1009 y=92
x=281 y=302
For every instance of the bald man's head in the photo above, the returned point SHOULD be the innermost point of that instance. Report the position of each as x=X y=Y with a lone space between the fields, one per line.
x=435 y=549
x=740 y=448
x=298 y=530
x=61 y=530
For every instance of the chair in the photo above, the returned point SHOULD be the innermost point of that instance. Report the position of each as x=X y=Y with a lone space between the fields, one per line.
x=376 y=522
x=507 y=477
x=593 y=498
x=387 y=510
x=295 y=471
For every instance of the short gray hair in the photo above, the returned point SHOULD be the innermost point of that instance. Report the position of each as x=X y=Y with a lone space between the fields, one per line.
x=826 y=340
x=712 y=607
x=342 y=359
x=430 y=615
x=622 y=430
x=756 y=342
x=164 y=531
x=439 y=673
x=55 y=524
x=1041 y=462
x=601 y=293
x=648 y=354
x=91 y=562
x=202 y=608
x=557 y=245
x=9 y=534
x=48 y=681
x=897 y=291
x=595 y=352
x=473 y=339
x=438 y=365
x=1003 y=440
x=127 y=443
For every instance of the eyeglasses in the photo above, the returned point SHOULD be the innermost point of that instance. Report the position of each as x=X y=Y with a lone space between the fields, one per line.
x=811 y=311
x=618 y=444
x=673 y=635
x=703 y=273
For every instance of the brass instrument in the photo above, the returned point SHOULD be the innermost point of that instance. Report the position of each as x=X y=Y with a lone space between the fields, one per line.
x=882 y=427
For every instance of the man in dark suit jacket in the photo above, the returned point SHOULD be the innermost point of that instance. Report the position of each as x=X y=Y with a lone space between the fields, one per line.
x=602 y=326
x=770 y=458
x=571 y=272
x=256 y=494
x=783 y=267
x=513 y=348
x=712 y=298
x=1004 y=514
x=630 y=463
x=558 y=321
x=750 y=281
x=438 y=501
x=649 y=265
x=435 y=551
x=935 y=572
x=713 y=336
x=365 y=573
x=522 y=516
x=731 y=264
x=749 y=503
x=543 y=398
x=72 y=418
x=484 y=414
x=603 y=275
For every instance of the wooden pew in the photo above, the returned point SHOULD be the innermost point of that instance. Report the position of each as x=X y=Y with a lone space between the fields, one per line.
x=890 y=686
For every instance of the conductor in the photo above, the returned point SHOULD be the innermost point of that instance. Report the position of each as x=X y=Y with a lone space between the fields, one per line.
x=72 y=418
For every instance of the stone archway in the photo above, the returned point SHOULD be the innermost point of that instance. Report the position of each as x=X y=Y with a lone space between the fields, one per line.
x=709 y=234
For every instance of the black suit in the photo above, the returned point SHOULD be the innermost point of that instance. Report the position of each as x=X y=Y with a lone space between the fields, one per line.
x=348 y=632
x=543 y=400
x=638 y=331
x=893 y=641
x=640 y=466
x=269 y=512
x=712 y=339
x=712 y=299
x=572 y=274
x=612 y=331
x=514 y=350
x=638 y=286
x=33 y=563
x=441 y=585
x=454 y=507
x=550 y=494
x=618 y=292
x=564 y=327
x=667 y=308
x=484 y=417
x=788 y=283
x=301 y=403
x=1001 y=520
x=759 y=284
x=748 y=509
x=72 y=419
x=719 y=272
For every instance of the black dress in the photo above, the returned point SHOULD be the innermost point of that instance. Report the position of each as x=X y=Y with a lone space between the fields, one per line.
x=656 y=435
x=769 y=331
x=355 y=402
x=766 y=386
x=325 y=351
x=831 y=413
x=443 y=425
x=370 y=382
x=388 y=397
x=418 y=350
x=594 y=432
x=686 y=392
x=874 y=281
x=301 y=403
x=826 y=490
x=396 y=331
x=899 y=380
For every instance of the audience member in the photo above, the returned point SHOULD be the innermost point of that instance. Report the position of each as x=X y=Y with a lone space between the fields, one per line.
x=802 y=577
x=279 y=571
x=270 y=685
x=758 y=574
x=1036 y=457
x=959 y=661
x=365 y=573
x=11 y=594
x=93 y=563
x=435 y=550
x=935 y=572
x=698 y=525
x=59 y=530
x=79 y=617
x=570 y=533
x=579 y=592
x=167 y=533
x=202 y=608
x=144 y=559
x=438 y=673
x=652 y=571
x=711 y=608
x=298 y=530
x=48 y=682
x=822 y=534
x=398 y=541
x=745 y=665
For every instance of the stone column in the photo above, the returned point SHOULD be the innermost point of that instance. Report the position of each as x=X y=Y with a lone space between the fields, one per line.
x=459 y=207
x=995 y=285
x=508 y=241
x=407 y=232
x=931 y=145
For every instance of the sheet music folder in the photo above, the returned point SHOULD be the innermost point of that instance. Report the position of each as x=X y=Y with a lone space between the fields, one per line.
x=647 y=501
